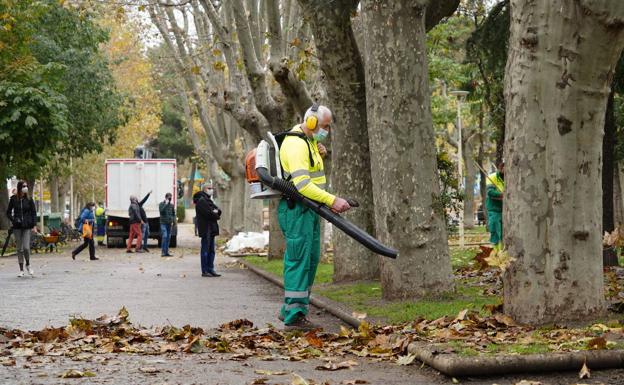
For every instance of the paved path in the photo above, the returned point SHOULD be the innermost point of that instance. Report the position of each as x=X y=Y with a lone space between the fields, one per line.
x=158 y=291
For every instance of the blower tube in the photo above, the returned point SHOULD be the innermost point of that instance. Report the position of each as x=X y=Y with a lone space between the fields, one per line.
x=290 y=191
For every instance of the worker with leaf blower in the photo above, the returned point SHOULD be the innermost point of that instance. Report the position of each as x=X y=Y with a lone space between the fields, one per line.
x=301 y=157
x=494 y=204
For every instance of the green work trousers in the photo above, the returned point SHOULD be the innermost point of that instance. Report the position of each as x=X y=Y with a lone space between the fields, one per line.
x=302 y=230
x=495 y=225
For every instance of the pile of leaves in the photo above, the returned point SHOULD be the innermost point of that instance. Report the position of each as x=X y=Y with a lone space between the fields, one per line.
x=240 y=340
x=480 y=333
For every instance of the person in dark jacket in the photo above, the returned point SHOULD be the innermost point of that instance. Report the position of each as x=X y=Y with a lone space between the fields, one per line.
x=207 y=214
x=145 y=226
x=167 y=219
x=22 y=213
x=135 y=220
x=87 y=216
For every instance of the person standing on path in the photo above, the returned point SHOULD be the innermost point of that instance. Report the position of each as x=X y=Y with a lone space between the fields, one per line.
x=87 y=218
x=494 y=205
x=301 y=156
x=167 y=220
x=145 y=225
x=100 y=223
x=134 y=218
x=207 y=214
x=22 y=213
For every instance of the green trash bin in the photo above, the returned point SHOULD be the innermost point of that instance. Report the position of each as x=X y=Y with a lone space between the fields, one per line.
x=52 y=220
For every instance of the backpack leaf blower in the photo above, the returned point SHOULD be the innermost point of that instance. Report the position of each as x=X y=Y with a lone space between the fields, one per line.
x=264 y=173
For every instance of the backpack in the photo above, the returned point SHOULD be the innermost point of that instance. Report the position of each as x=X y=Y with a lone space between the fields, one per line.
x=279 y=138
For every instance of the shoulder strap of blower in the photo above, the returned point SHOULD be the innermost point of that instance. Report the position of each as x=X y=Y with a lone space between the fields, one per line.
x=279 y=138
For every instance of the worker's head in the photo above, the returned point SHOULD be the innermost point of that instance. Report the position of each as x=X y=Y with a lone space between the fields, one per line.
x=168 y=196
x=90 y=206
x=317 y=122
x=501 y=168
x=207 y=188
x=133 y=199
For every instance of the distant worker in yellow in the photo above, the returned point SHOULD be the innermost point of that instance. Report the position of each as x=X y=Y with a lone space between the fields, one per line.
x=494 y=204
x=301 y=156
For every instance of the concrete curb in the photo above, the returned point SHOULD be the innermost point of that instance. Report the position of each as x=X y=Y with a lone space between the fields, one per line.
x=458 y=366
x=317 y=301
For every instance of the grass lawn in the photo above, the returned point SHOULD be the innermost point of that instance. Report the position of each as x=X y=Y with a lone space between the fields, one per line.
x=365 y=297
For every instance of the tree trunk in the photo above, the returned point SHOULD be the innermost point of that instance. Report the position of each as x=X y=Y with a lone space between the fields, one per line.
x=469 y=195
x=277 y=243
x=618 y=199
x=480 y=162
x=253 y=212
x=237 y=203
x=609 y=256
x=561 y=59
x=4 y=200
x=344 y=73
x=188 y=195
x=54 y=194
x=403 y=154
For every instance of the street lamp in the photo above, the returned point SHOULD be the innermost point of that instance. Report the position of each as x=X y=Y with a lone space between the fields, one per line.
x=460 y=95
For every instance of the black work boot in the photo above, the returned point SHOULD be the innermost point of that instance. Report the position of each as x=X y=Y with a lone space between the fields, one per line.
x=301 y=323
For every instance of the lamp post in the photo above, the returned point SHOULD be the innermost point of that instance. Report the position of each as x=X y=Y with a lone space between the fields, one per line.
x=460 y=95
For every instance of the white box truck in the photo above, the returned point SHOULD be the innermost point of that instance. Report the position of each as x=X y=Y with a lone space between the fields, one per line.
x=125 y=177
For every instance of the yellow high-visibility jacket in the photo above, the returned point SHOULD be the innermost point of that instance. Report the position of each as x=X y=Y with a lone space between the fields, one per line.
x=309 y=179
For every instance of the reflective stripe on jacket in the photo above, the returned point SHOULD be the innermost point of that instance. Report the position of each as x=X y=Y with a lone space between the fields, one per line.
x=309 y=179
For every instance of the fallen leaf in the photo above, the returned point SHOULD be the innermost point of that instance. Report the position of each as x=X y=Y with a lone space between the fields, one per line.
x=341 y=365
x=149 y=369
x=298 y=380
x=23 y=352
x=354 y=382
x=526 y=382
x=313 y=339
x=359 y=316
x=73 y=373
x=598 y=343
x=406 y=360
x=504 y=319
x=260 y=381
x=584 y=373
x=7 y=361
x=269 y=372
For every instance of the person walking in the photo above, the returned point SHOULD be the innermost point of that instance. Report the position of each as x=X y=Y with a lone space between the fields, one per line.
x=87 y=222
x=145 y=226
x=22 y=213
x=207 y=214
x=134 y=218
x=301 y=156
x=167 y=220
x=494 y=204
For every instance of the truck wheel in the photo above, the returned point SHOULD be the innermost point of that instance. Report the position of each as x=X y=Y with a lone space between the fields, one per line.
x=173 y=242
x=111 y=242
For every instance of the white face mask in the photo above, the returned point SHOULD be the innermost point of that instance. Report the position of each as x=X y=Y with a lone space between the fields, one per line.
x=24 y=190
x=209 y=191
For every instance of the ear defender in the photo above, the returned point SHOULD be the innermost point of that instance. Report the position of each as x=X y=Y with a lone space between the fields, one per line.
x=312 y=120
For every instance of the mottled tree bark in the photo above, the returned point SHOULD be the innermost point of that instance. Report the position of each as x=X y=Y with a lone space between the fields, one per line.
x=562 y=54
x=344 y=74
x=403 y=154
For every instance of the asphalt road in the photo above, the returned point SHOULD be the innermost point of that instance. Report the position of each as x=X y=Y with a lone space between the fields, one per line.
x=160 y=291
